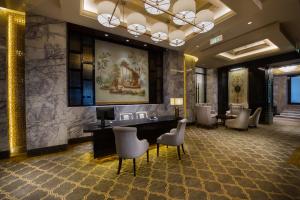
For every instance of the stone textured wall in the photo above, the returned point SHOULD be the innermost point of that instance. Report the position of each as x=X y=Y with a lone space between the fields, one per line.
x=280 y=92
x=49 y=121
x=3 y=93
x=212 y=88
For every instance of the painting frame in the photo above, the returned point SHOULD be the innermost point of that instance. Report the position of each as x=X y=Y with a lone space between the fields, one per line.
x=137 y=63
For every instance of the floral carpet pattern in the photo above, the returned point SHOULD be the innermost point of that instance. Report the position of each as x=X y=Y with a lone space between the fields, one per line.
x=219 y=164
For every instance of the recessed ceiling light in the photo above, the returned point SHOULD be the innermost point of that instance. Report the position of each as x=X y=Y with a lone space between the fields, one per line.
x=145 y=45
x=106 y=35
x=197 y=46
x=249 y=23
x=127 y=40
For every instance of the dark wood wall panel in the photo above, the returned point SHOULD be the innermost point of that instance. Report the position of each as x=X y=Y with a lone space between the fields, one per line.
x=81 y=65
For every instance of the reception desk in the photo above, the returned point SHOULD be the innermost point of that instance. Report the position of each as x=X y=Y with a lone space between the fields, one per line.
x=104 y=140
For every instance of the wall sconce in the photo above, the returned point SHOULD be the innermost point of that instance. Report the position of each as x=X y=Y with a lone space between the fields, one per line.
x=176 y=102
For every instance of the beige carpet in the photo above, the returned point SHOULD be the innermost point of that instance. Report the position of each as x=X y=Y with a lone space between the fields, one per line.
x=218 y=164
x=295 y=158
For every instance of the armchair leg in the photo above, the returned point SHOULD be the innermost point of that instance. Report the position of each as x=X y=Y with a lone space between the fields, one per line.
x=182 y=149
x=134 y=173
x=147 y=155
x=120 y=165
x=157 y=152
x=178 y=151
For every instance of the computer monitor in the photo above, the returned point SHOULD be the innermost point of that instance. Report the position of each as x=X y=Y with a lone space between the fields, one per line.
x=105 y=113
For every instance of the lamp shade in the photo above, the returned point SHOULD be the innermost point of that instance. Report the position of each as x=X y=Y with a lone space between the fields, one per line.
x=108 y=16
x=159 y=32
x=156 y=7
x=136 y=23
x=176 y=38
x=204 y=21
x=176 y=101
x=184 y=9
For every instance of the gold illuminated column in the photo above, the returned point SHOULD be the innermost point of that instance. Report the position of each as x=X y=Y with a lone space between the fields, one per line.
x=15 y=82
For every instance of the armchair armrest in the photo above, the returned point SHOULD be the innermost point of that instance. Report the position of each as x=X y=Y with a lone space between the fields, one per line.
x=173 y=130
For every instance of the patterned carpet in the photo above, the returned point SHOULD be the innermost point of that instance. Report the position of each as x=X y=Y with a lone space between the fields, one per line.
x=218 y=164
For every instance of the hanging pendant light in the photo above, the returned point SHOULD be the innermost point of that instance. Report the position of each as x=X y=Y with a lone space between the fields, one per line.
x=156 y=7
x=159 y=32
x=204 y=21
x=184 y=9
x=136 y=24
x=108 y=14
x=176 y=38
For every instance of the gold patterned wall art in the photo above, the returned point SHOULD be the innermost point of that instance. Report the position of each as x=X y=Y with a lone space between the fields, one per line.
x=238 y=86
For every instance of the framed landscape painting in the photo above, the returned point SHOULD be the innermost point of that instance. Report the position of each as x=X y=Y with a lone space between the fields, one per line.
x=121 y=74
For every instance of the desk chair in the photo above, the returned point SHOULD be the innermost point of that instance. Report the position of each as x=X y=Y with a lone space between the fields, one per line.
x=141 y=115
x=174 y=138
x=128 y=146
x=126 y=116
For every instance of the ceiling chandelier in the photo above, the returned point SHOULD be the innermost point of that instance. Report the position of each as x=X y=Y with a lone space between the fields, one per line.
x=177 y=38
x=204 y=21
x=136 y=24
x=157 y=7
x=109 y=14
x=159 y=32
x=184 y=12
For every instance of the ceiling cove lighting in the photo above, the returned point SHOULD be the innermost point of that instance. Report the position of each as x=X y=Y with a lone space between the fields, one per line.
x=288 y=68
x=159 y=32
x=157 y=7
x=255 y=48
x=184 y=11
x=136 y=23
x=109 y=14
x=204 y=21
x=176 y=38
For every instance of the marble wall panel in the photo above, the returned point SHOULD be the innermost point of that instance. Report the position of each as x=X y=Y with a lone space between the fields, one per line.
x=212 y=88
x=280 y=92
x=3 y=94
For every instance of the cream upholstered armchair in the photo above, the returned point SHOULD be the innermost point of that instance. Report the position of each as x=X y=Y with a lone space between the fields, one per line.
x=241 y=122
x=174 y=138
x=254 y=119
x=205 y=116
x=128 y=146
x=234 y=109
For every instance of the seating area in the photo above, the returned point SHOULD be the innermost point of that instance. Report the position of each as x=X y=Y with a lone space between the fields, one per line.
x=149 y=100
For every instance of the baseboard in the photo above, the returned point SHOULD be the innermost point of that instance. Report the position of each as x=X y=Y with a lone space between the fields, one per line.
x=80 y=140
x=47 y=150
x=4 y=154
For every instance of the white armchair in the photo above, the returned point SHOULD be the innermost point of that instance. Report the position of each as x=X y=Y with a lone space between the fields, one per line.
x=234 y=109
x=254 y=119
x=241 y=122
x=205 y=116
x=128 y=146
x=174 y=138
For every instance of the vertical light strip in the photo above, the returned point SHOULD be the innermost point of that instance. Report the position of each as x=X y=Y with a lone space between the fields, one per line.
x=184 y=86
x=11 y=63
x=14 y=89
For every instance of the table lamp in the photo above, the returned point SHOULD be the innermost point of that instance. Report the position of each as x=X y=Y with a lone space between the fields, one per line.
x=176 y=102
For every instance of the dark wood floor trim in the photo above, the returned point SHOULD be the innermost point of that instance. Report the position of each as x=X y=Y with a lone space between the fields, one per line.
x=4 y=154
x=80 y=140
x=47 y=150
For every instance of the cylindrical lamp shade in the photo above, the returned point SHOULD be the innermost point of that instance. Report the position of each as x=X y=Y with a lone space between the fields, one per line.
x=156 y=7
x=204 y=21
x=176 y=38
x=159 y=32
x=136 y=24
x=176 y=101
x=184 y=9
x=106 y=15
